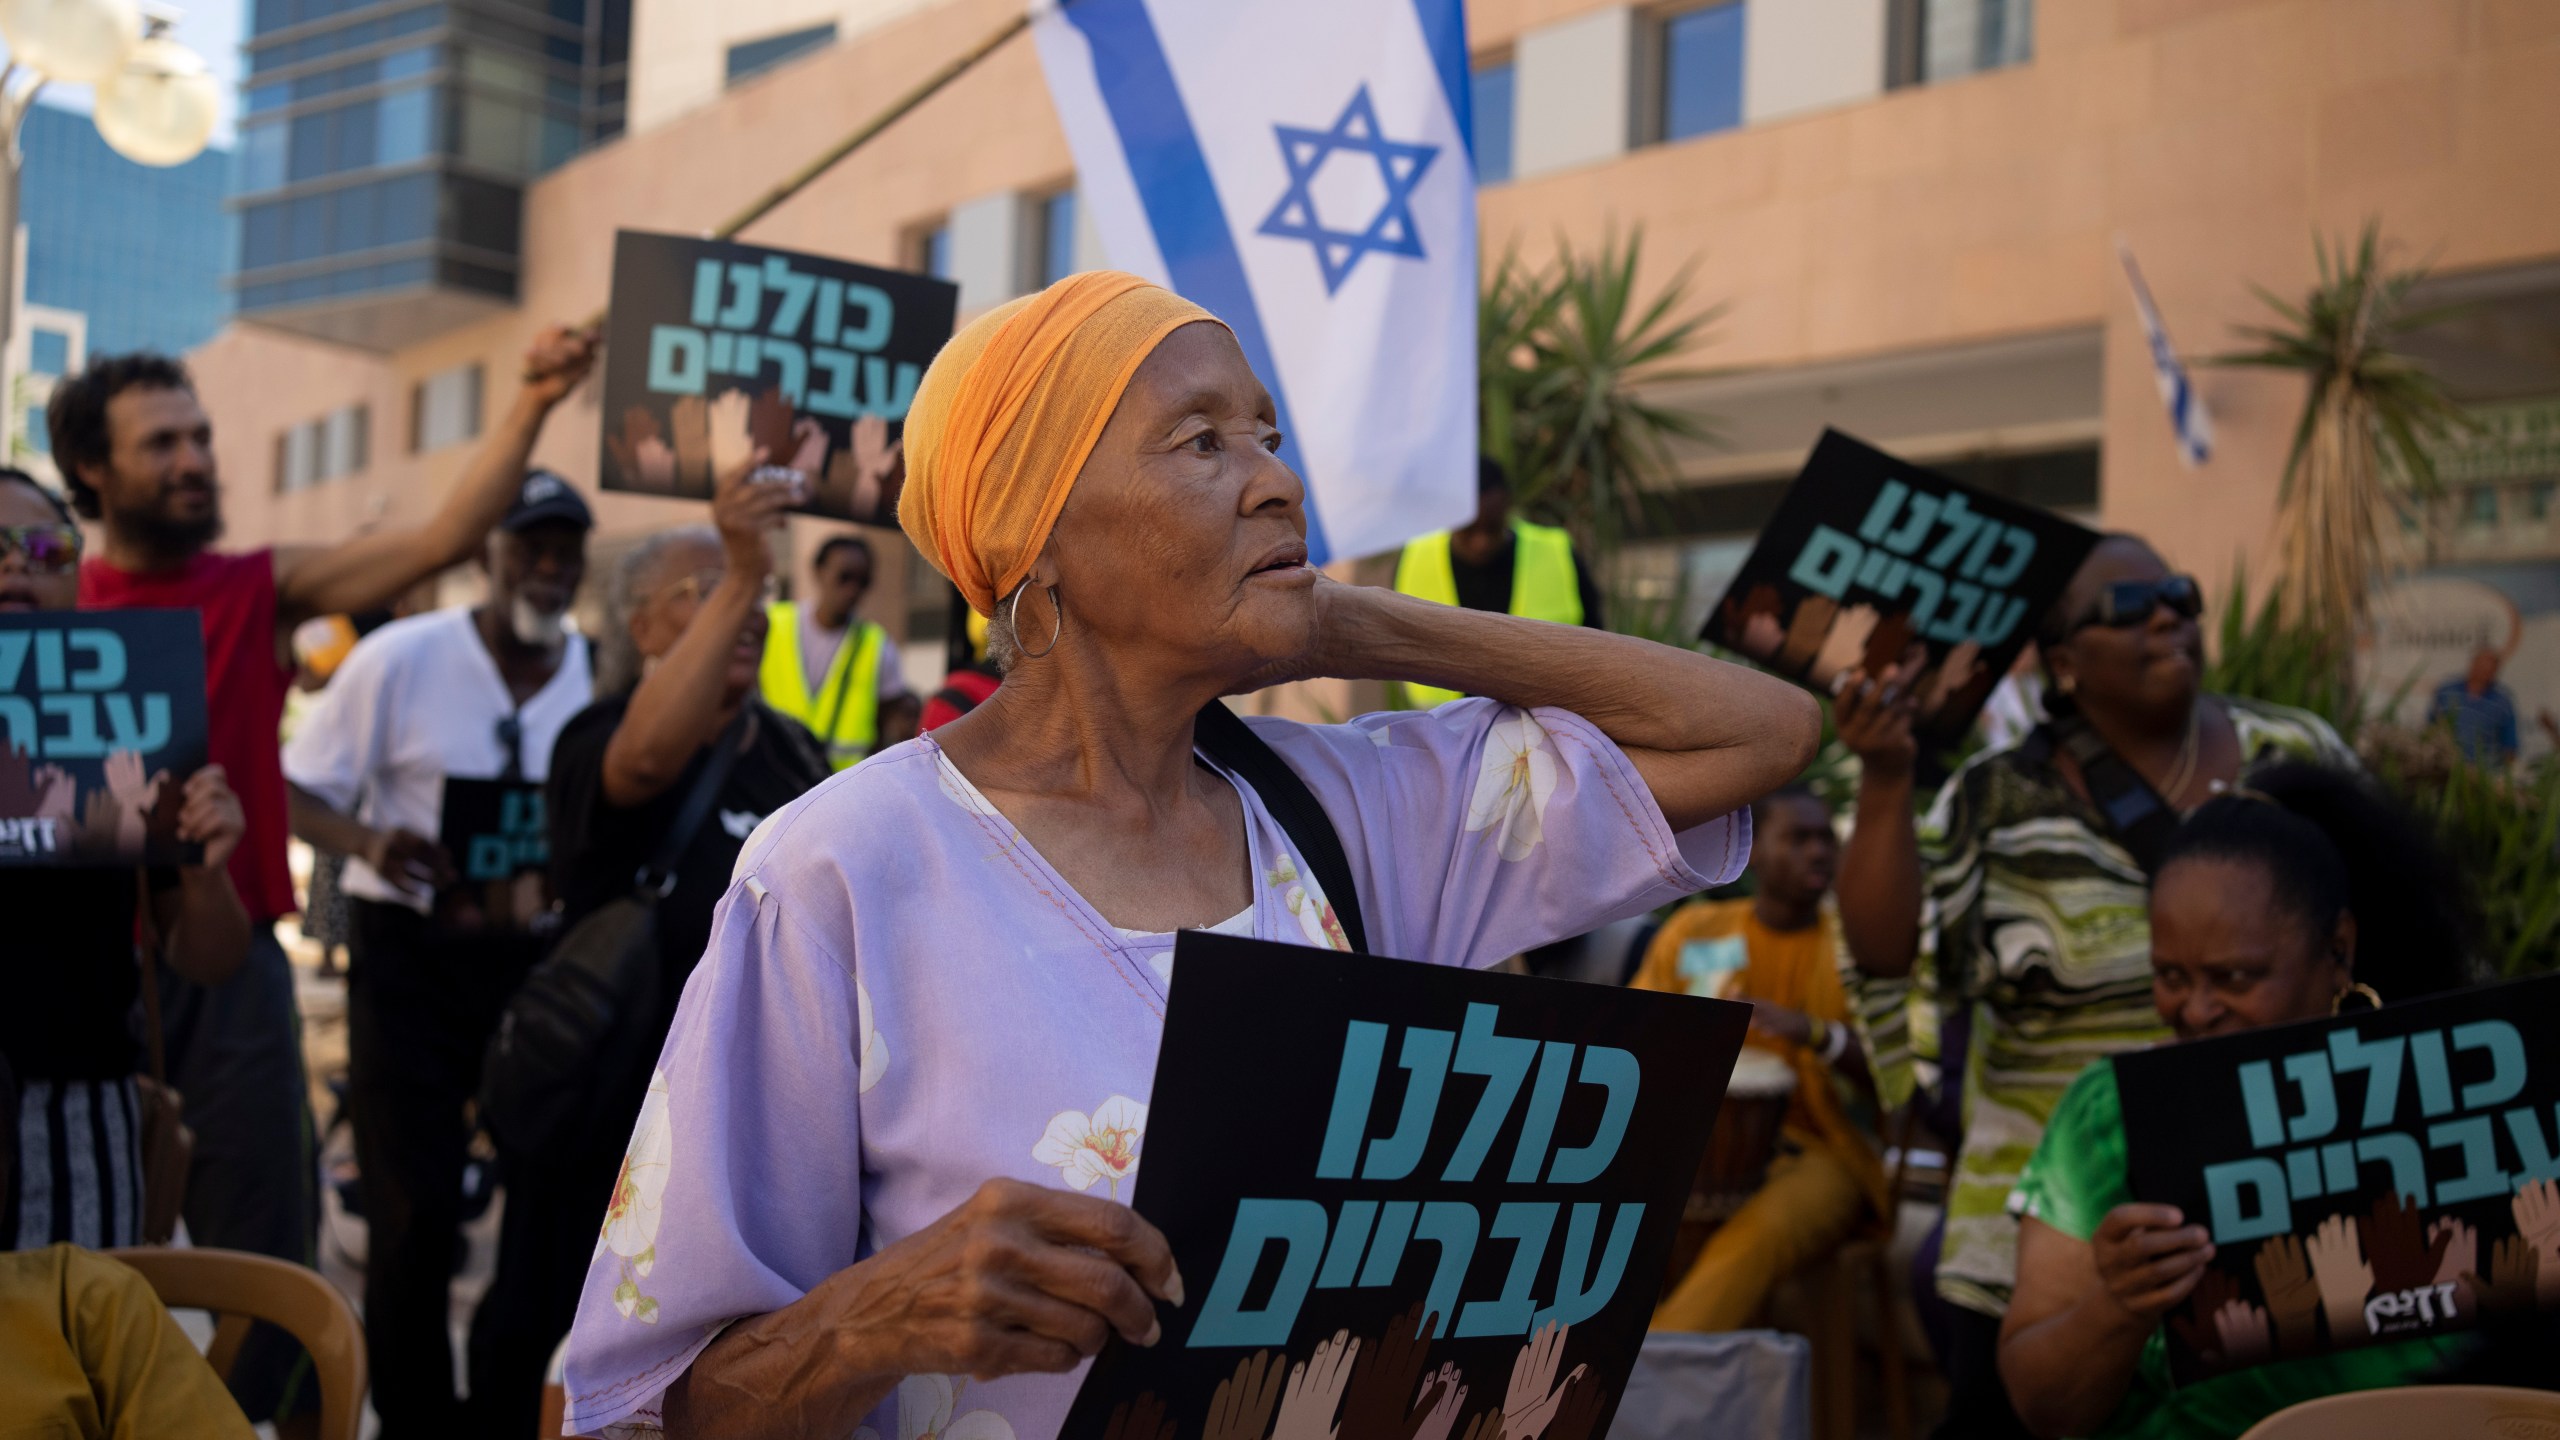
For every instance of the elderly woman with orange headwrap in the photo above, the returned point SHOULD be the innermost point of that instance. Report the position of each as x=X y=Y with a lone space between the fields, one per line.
x=879 y=1179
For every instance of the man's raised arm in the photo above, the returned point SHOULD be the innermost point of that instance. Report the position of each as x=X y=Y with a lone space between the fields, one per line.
x=369 y=571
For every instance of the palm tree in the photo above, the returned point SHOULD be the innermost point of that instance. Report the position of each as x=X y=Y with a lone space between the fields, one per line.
x=1566 y=353
x=2360 y=450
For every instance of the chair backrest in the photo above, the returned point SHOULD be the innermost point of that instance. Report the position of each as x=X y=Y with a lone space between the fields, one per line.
x=240 y=1288
x=2439 y=1412
x=1740 y=1382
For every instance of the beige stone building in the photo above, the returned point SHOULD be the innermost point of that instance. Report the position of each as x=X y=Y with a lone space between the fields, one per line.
x=1911 y=208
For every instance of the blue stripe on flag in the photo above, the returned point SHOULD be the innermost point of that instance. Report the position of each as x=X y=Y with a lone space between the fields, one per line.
x=1172 y=177
x=1444 y=30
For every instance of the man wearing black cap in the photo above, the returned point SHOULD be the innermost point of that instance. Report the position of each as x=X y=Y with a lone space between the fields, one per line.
x=434 y=726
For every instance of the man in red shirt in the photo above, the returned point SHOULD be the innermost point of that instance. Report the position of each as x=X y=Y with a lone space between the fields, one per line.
x=136 y=453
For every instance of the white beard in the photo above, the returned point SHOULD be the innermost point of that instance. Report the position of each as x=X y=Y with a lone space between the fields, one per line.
x=540 y=629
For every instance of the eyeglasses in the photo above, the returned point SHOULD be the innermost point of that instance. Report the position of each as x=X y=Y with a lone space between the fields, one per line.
x=2128 y=603
x=511 y=740
x=692 y=587
x=48 y=549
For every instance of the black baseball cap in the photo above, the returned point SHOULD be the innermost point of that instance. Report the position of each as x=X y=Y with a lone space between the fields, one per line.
x=546 y=497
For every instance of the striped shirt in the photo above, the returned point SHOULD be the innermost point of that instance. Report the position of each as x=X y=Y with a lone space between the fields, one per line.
x=2035 y=933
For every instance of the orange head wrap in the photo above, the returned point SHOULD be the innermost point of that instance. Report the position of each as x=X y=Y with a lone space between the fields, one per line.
x=1008 y=413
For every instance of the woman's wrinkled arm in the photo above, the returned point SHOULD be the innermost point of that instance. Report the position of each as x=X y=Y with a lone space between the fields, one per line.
x=1019 y=1279
x=1707 y=737
x=2084 y=1309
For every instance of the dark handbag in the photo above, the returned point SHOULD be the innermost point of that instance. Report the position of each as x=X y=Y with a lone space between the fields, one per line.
x=572 y=1035
x=1224 y=737
x=2136 y=815
x=168 y=1147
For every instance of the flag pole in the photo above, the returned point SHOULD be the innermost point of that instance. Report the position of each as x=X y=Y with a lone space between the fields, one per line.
x=863 y=134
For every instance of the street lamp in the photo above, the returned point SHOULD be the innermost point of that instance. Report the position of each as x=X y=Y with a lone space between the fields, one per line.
x=155 y=106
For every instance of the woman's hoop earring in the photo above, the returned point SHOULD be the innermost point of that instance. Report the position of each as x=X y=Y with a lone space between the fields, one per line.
x=1057 y=621
x=2371 y=996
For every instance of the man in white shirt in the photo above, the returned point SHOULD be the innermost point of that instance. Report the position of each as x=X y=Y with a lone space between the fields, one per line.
x=435 y=736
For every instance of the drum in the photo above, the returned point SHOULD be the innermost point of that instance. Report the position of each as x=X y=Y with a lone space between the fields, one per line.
x=1739 y=1149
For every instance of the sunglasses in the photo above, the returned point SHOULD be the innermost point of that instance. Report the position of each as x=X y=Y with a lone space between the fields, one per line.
x=2128 y=603
x=48 y=549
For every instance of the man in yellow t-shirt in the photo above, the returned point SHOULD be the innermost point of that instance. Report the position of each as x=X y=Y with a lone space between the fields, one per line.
x=87 y=1349
x=1779 y=950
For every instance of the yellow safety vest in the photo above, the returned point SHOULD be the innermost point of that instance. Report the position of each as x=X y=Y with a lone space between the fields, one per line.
x=1544 y=584
x=855 y=711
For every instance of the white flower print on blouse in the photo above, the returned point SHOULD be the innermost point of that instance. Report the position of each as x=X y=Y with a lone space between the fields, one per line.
x=1100 y=1146
x=924 y=1413
x=875 y=1051
x=1307 y=902
x=631 y=1219
x=1518 y=774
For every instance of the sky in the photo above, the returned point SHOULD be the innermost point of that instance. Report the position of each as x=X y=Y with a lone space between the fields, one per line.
x=212 y=29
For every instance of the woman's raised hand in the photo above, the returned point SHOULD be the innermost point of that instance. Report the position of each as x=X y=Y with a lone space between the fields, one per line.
x=2150 y=1258
x=1872 y=715
x=747 y=510
x=1019 y=1278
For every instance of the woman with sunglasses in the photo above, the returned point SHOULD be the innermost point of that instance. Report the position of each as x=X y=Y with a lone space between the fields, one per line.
x=678 y=676
x=2004 y=932
x=71 y=979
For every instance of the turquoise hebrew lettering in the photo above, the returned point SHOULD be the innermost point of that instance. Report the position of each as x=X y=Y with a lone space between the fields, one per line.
x=2506 y=1062
x=2350 y=1051
x=1426 y=1060
x=1298 y=1225
x=2228 y=1188
x=1504 y=1062
x=1581 y=1292
x=1527 y=1224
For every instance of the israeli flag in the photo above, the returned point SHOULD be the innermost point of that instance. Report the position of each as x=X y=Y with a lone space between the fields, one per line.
x=2186 y=408
x=1300 y=168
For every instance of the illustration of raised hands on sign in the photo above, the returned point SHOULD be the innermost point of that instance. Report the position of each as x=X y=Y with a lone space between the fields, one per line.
x=2537 y=1211
x=1241 y=1407
x=1314 y=1393
x=2395 y=1241
x=2195 y=1322
x=1380 y=1403
x=2508 y=1289
x=1141 y=1418
x=2337 y=1263
x=2293 y=1300
x=1530 y=1404
x=2246 y=1337
x=2461 y=1260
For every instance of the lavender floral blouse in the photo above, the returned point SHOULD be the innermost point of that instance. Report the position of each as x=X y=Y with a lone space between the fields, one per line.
x=902 y=1000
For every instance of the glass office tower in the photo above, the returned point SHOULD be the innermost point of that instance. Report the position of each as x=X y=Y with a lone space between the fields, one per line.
x=385 y=146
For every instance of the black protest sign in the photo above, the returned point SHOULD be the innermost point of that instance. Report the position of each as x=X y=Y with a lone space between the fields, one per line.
x=496 y=833
x=2384 y=1175
x=1875 y=562
x=714 y=348
x=1393 y=1173
x=102 y=719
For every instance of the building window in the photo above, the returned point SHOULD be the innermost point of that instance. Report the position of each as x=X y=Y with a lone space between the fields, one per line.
x=1490 y=100
x=1057 y=237
x=933 y=251
x=332 y=447
x=1702 y=71
x=757 y=56
x=2481 y=508
x=444 y=409
x=48 y=352
x=1932 y=40
x=2537 y=500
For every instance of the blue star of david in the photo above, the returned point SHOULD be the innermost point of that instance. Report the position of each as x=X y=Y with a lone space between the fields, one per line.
x=1390 y=232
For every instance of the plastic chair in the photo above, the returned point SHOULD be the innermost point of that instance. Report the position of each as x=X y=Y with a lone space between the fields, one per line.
x=240 y=1288
x=2439 y=1412
x=1742 y=1384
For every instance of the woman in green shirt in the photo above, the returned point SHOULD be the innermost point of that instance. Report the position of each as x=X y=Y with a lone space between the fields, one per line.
x=2251 y=924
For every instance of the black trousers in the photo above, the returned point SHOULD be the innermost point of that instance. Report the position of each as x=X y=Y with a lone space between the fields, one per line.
x=1978 y=1405
x=555 y=1207
x=421 y=1007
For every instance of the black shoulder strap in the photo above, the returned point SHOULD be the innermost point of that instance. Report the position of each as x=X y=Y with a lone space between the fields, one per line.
x=659 y=875
x=2142 y=821
x=1225 y=738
